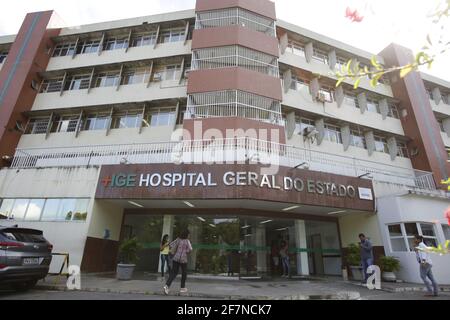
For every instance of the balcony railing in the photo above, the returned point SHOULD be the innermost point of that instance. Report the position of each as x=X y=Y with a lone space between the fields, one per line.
x=234 y=103
x=233 y=17
x=221 y=151
x=235 y=56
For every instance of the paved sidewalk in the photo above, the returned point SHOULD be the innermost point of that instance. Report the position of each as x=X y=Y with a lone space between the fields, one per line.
x=280 y=289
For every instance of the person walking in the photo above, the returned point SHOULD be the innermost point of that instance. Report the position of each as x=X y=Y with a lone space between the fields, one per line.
x=180 y=249
x=426 y=266
x=164 y=252
x=284 y=254
x=366 y=254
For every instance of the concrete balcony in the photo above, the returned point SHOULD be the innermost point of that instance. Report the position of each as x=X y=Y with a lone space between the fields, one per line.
x=302 y=100
x=109 y=95
x=442 y=107
x=446 y=139
x=323 y=69
x=119 y=56
x=220 y=151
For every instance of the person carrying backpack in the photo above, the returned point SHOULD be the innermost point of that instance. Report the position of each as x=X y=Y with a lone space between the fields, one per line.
x=180 y=250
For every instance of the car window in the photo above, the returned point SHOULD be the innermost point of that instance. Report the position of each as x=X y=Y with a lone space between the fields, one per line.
x=23 y=236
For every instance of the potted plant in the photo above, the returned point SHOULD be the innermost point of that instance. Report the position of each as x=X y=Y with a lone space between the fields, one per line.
x=128 y=257
x=388 y=266
x=353 y=258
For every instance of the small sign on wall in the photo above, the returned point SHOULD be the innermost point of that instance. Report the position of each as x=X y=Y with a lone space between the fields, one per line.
x=365 y=194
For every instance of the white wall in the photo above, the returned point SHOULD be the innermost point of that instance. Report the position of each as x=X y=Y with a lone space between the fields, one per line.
x=106 y=216
x=66 y=237
x=302 y=100
x=446 y=138
x=99 y=137
x=441 y=107
x=352 y=225
x=415 y=208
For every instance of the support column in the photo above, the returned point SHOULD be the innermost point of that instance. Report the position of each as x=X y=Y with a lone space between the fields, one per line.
x=362 y=101
x=287 y=80
x=339 y=95
x=261 y=255
x=284 y=42
x=437 y=96
x=332 y=59
x=290 y=124
x=384 y=108
x=309 y=52
x=346 y=136
x=393 y=147
x=300 y=243
x=320 y=127
x=195 y=231
x=370 y=142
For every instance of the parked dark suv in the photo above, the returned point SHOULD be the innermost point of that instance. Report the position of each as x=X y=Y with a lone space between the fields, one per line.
x=25 y=257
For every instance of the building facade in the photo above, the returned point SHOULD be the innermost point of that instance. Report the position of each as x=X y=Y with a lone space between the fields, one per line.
x=215 y=120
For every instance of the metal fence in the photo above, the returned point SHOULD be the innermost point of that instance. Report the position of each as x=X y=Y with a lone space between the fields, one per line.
x=235 y=17
x=221 y=151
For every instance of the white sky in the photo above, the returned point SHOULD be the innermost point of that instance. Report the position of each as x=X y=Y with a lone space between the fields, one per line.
x=401 y=21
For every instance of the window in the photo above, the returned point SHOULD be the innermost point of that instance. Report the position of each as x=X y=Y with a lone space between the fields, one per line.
x=62 y=50
x=110 y=79
x=402 y=150
x=303 y=123
x=430 y=94
x=172 y=36
x=80 y=82
x=333 y=134
x=172 y=72
x=298 y=84
x=357 y=139
x=96 y=122
x=115 y=44
x=6 y=208
x=51 y=85
x=351 y=100
x=393 y=111
x=402 y=235
x=161 y=117
x=373 y=106
x=441 y=125
x=136 y=76
x=34 y=210
x=37 y=126
x=66 y=124
x=327 y=93
x=90 y=47
x=19 y=209
x=320 y=56
x=143 y=40
x=381 y=145
x=127 y=119
x=296 y=48
x=341 y=62
x=397 y=240
x=65 y=210
x=3 y=56
x=445 y=97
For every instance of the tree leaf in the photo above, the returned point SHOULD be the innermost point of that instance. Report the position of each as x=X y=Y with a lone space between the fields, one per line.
x=357 y=82
x=339 y=82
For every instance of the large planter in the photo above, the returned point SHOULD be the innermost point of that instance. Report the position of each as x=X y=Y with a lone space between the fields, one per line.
x=125 y=271
x=357 y=273
x=389 y=276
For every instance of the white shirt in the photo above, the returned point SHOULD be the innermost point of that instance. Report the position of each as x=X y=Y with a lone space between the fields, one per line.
x=422 y=255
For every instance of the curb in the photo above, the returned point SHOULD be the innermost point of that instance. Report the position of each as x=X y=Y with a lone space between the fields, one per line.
x=338 y=296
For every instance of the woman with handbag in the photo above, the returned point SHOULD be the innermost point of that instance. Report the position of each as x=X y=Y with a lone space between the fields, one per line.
x=164 y=252
x=180 y=250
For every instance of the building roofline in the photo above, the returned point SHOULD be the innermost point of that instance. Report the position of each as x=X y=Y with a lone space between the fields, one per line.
x=438 y=81
x=7 y=39
x=327 y=40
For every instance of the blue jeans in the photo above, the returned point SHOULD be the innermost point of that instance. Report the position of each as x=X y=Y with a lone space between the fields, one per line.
x=366 y=263
x=426 y=272
x=286 y=265
x=164 y=260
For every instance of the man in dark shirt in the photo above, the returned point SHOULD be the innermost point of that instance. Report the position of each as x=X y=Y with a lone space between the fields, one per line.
x=366 y=254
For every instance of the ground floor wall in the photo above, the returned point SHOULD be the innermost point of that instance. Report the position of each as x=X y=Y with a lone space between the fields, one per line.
x=402 y=216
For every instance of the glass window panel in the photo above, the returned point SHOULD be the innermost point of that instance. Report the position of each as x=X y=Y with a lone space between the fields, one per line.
x=34 y=210
x=395 y=230
x=446 y=230
x=66 y=209
x=51 y=210
x=411 y=229
x=19 y=209
x=412 y=244
x=81 y=209
x=398 y=245
x=6 y=207
x=430 y=242
x=427 y=230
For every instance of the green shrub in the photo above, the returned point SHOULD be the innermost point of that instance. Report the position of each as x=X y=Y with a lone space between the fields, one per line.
x=389 y=264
